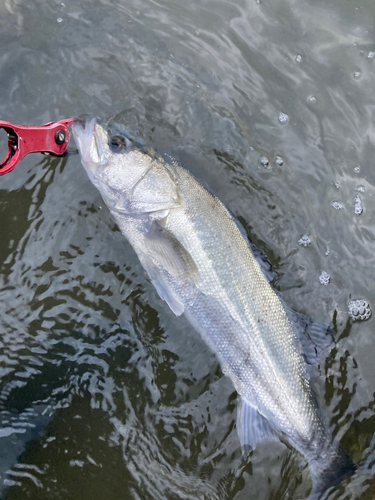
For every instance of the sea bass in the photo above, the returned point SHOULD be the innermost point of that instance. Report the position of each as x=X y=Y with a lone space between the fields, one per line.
x=202 y=265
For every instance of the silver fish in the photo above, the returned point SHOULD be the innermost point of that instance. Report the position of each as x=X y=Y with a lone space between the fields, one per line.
x=202 y=265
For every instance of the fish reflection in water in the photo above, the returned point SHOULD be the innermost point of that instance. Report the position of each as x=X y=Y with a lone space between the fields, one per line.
x=202 y=264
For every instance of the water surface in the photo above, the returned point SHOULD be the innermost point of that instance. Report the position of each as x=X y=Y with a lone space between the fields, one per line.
x=103 y=392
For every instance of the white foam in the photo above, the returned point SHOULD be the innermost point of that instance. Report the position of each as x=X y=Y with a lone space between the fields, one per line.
x=324 y=278
x=359 y=309
x=283 y=117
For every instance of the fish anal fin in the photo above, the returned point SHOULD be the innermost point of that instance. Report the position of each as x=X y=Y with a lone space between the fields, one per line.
x=252 y=427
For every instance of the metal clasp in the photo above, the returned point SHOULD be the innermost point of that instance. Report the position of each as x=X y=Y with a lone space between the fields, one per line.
x=52 y=138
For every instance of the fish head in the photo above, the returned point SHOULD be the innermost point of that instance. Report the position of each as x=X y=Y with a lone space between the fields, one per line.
x=130 y=178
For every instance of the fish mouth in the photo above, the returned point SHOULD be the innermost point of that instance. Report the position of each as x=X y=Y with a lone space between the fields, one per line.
x=88 y=143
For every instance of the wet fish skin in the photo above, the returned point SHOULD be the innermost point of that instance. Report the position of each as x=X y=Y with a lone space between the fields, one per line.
x=201 y=264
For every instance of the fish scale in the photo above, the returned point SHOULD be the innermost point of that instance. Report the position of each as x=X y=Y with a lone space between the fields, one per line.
x=246 y=275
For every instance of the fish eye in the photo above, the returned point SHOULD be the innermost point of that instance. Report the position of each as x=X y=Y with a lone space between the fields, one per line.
x=118 y=143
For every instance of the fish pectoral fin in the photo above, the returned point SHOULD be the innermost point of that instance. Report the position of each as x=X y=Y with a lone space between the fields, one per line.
x=163 y=252
x=167 y=252
x=252 y=427
x=165 y=292
x=315 y=337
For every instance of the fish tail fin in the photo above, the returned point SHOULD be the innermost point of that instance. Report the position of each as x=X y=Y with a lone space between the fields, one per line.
x=341 y=467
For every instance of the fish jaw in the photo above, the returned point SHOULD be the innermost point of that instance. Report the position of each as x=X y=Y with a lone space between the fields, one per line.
x=91 y=141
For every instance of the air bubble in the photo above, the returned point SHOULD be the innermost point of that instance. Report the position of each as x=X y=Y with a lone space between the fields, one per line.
x=304 y=241
x=312 y=99
x=337 y=185
x=298 y=58
x=283 y=117
x=359 y=309
x=328 y=251
x=324 y=278
x=357 y=169
x=279 y=161
x=337 y=205
x=371 y=55
x=358 y=207
x=59 y=20
x=357 y=74
x=361 y=189
x=264 y=162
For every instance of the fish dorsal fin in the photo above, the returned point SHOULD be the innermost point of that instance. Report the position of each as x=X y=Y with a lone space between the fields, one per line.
x=252 y=427
x=263 y=261
x=258 y=254
x=315 y=337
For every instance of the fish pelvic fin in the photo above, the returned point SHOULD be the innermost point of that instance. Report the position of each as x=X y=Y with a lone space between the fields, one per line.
x=252 y=427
